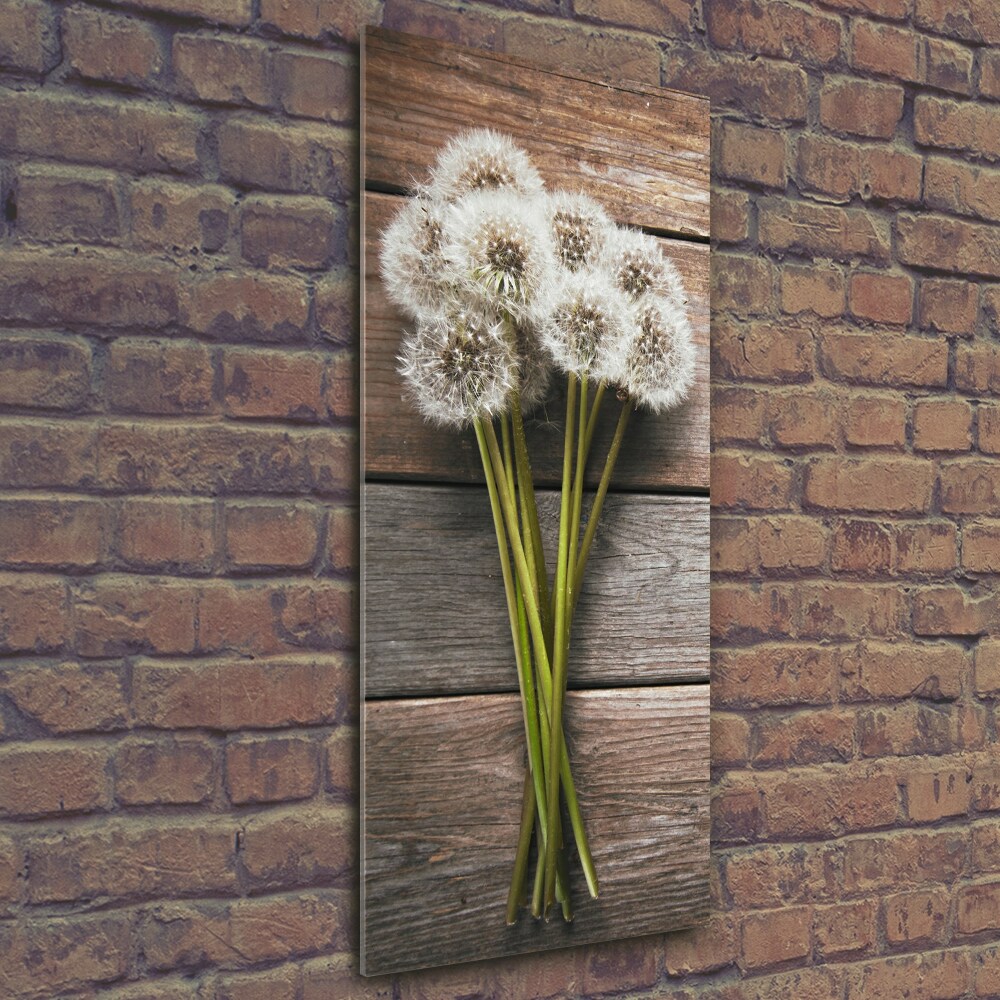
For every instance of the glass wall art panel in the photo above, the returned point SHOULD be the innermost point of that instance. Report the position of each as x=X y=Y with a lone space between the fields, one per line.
x=535 y=507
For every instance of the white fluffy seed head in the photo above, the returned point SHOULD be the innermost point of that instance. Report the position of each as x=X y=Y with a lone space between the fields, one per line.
x=534 y=367
x=580 y=228
x=483 y=160
x=583 y=322
x=637 y=265
x=459 y=365
x=414 y=268
x=498 y=250
x=656 y=365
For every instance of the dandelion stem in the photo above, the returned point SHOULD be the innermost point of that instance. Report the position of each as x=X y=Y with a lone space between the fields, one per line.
x=574 y=525
x=486 y=433
x=595 y=410
x=523 y=847
x=602 y=492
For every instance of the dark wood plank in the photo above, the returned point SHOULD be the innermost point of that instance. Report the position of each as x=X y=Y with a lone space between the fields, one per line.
x=642 y=151
x=435 y=615
x=441 y=806
x=668 y=452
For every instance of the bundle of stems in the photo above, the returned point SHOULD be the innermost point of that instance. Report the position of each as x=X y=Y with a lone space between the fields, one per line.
x=508 y=283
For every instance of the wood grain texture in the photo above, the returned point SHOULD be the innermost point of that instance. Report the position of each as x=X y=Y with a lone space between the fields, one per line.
x=436 y=617
x=443 y=783
x=665 y=452
x=642 y=151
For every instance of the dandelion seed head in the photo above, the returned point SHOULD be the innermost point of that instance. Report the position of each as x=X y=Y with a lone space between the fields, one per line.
x=483 y=160
x=639 y=266
x=534 y=367
x=580 y=228
x=459 y=365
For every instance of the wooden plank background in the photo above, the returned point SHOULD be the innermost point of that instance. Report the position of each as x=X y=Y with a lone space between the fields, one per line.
x=435 y=604
x=440 y=834
x=443 y=745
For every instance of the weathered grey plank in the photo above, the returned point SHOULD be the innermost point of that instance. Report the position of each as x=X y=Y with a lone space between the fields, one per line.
x=642 y=151
x=443 y=783
x=436 y=617
x=670 y=451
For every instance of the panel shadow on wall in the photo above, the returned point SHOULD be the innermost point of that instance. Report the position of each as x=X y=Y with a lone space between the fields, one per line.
x=442 y=741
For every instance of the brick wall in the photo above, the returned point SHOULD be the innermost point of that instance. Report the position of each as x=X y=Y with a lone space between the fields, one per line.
x=177 y=441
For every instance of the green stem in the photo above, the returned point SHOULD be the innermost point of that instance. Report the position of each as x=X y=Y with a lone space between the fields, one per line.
x=539 y=886
x=574 y=524
x=595 y=410
x=488 y=439
x=523 y=847
x=602 y=492
x=560 y=643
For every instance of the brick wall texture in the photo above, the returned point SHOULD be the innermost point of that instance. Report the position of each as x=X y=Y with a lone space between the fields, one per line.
x=178 y=302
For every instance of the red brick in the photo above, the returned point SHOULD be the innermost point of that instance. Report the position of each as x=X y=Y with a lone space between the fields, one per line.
x=298 y=847
x=75 y=780
x=882 y=359
x=989 y=429
x=245 y=931
x=151 y=376
x=44 y=371
x=223 y=69
x=943 y=974
x=755 y=155
x=875 y=421
x=773 y=675
x=340 y=386
x=861 y=547
x=769 y=88
x=730 y=216
x=948 y=66
x=29 y=39
x=771 y=875
x=736 y=815
x=926 y=548
x=978 y=908
x=849 y=610
x=738 y=414
x=860 y=107
x=948 y=306
x=942 y=425
x=898 y=485
x=730 y=740
x=957 y=125
x=734 y=547
x=977 y=369
x=828 y=166
x=338 y=977
x=986 y=971
x=342 y=539
x=102 y=46
x=933 y=795
x=742 y=612
x=845 y=928
x=763 y=351
x=882 y=298
x=989 y=73
x=269 y=536
x=51 y=955
x=751 y=482
x=169 y=772
x=238 y=694
x=805 y=737
x=34 y=613
x=981 y=547
x=973 y=20
x=310 y=85
x=272 y=770
x=242 y=307
x=337 y=306
x=968 y=248
x=906 y=729
x=321 y=18
x=887 y=50
x=991 y=310
x=790 y=543
x=742 y=285
x=775 y=936
x=950 y=611
x=988 y=667
x=123 y=135
x=893 y=860
x=273 y=984
x=116 y=615
x=822 y=230
x=580 y=48
x=985 y=784
x=774 y=29
x=68 y=697
x=342 y=752
x=970 y=487
x=896 y=10
x=180 y=218
x=274 y=384
x=282 y=232
x=303 y=158
x=121 y=859
x=159 y=533
x=51 y=532
x=812 y=289
x=917 y=918
x=891 y=174
x=57 y=205
x=701 y=949
x=962 y=188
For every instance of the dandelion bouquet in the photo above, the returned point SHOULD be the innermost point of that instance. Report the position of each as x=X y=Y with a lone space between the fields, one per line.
x=509 y=286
